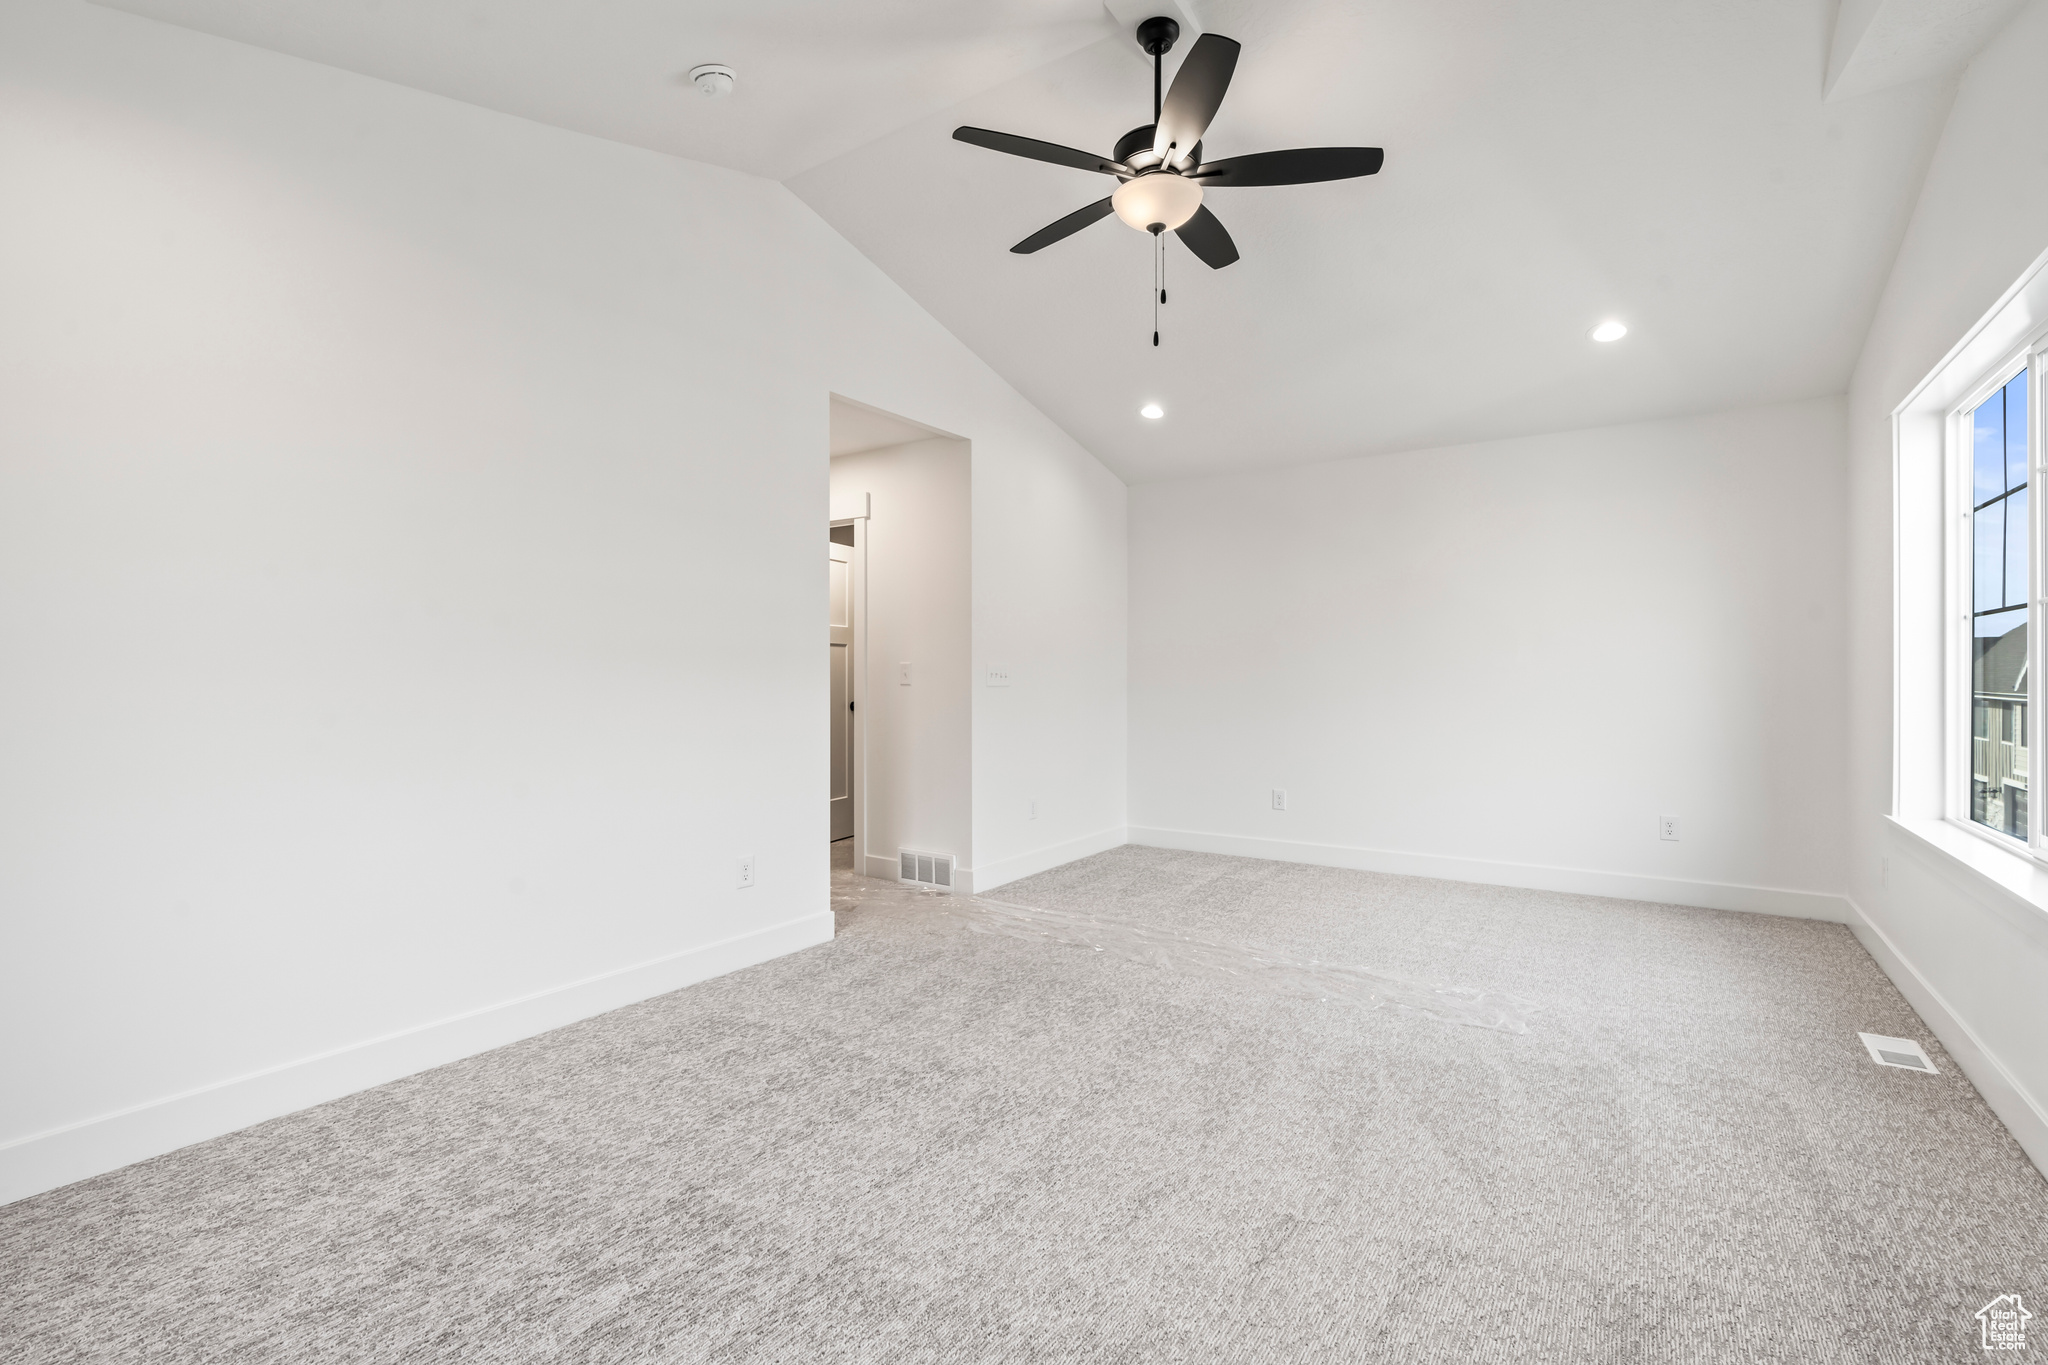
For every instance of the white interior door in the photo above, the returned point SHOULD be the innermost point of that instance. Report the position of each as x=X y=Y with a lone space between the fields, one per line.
x=842 y=691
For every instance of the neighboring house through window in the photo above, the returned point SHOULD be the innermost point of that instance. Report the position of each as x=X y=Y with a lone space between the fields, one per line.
x=2001 y=532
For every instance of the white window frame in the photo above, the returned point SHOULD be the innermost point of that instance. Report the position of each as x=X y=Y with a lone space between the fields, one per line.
x=1959 y=722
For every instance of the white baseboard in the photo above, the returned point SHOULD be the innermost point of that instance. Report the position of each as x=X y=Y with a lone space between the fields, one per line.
x=1764 y=900
x=44 y=1161
x=988 y=876
x=2023 y=1115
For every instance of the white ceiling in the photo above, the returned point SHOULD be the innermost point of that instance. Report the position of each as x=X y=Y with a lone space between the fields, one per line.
x=1882 y=43
x=1548 y=165
x=816 y=77
x=857 y=427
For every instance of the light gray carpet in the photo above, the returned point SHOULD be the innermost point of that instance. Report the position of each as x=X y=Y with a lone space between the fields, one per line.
x=922 y=1143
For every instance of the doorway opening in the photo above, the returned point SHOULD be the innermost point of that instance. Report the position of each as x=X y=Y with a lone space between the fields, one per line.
x=899 y=640
x=842 y=543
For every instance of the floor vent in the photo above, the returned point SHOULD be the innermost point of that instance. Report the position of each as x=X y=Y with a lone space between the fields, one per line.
x=1899 y=1052
x=926 y=869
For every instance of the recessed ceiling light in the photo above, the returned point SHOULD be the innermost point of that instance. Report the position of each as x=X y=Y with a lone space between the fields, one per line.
x=1152 y=410
x=1610 y=330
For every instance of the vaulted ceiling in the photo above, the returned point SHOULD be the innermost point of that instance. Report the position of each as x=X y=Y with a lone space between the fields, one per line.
x=1548 y=165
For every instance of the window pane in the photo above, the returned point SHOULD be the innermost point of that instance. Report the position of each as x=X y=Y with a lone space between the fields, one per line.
x=1998 y=724
x=1987 y=427
x=1988 y=589
x=2016 y=549
x=2015 y=431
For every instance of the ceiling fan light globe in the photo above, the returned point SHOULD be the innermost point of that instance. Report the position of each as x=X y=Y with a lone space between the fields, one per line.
x=1161 y=197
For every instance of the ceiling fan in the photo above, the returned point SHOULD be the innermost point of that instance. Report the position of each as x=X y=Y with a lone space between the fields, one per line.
x=1161 y=164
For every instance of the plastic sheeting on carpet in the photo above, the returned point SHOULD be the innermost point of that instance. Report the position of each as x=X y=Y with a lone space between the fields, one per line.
x=1271 y=972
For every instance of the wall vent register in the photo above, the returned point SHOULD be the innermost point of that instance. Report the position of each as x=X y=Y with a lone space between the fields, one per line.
x=1900 y=1052
x=925 y=869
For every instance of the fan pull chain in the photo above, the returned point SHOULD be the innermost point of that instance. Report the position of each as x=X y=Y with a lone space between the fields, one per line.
x=1158 y=282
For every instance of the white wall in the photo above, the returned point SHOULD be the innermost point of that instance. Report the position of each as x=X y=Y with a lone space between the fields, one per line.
x=412 y=606
x=1503 y=662
x=1051 y=609
x=917 y=738
x=1971 y=955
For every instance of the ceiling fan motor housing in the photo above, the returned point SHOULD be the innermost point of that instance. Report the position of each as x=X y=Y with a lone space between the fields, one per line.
x=1134 y=149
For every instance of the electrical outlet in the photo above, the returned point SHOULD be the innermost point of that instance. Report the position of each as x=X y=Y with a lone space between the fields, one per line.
x=1279 y=799
x=746 y=872
x=999 y=677
x=1667 y=828
x=903 y=675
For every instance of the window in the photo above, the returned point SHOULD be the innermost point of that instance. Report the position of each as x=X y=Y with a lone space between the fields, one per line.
x=1992 y=439
x=1999 y=535
x=1968 y=539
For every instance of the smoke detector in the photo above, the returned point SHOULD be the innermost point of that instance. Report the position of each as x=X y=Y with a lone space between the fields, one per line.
x=713 y=80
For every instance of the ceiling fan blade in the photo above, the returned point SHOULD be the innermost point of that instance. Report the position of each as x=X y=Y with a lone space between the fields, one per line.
x=1207 y=239
x=1196 y=95
x=1065 y=227
x=1035 y=150
x=1301 y=166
